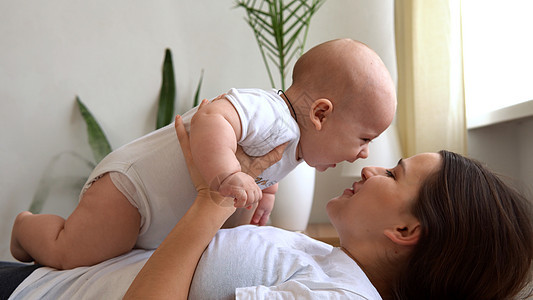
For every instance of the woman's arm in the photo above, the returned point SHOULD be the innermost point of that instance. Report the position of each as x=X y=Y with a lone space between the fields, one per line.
x=169 y=271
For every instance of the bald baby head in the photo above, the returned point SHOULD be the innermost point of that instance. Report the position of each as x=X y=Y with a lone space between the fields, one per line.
x=345 y=71
x=346 y=96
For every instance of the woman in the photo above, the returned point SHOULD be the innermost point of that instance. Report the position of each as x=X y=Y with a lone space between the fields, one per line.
x=437 y=226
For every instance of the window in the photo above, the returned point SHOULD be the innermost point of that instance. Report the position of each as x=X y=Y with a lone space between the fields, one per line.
x=497 y=54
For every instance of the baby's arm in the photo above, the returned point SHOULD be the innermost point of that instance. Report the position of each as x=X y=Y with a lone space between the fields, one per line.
x=215 y=130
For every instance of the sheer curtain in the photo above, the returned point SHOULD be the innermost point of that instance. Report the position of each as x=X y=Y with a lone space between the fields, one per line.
x=431 y=109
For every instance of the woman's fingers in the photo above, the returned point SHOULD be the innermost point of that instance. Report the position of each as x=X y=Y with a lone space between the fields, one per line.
x=254 y=166
x=275 y=154
x=183 y=138
x=203 y=103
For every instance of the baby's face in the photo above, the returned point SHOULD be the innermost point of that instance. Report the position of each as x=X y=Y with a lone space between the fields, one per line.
x=340 y=139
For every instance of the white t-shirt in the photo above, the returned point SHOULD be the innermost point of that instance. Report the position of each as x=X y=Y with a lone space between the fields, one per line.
x=246 y=262
x=158 y=175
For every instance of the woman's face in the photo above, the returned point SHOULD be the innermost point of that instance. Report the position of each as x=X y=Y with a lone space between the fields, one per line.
x=381 y=199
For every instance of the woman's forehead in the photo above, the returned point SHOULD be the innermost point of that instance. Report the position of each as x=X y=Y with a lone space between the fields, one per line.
x=422 y=164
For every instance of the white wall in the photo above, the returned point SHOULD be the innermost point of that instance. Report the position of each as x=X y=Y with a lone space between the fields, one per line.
x=525 y=147
x=110 y=54
x=506 y=148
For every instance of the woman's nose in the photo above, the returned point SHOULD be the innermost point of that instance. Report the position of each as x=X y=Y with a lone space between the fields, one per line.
x=368 y=172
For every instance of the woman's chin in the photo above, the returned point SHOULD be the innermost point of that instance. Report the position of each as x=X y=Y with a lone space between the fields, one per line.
x=331 y=208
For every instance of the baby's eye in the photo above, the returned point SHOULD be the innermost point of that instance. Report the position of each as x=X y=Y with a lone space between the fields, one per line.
x=389 y=174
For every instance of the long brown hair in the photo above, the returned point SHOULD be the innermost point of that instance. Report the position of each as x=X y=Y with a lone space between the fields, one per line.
x=476 y=240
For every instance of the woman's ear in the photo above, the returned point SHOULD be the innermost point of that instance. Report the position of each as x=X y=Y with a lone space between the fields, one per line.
x=320 y=111
x=407 y=235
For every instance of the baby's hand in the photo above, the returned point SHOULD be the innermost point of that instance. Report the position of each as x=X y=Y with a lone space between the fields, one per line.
x=242 y=188
x=263 y=210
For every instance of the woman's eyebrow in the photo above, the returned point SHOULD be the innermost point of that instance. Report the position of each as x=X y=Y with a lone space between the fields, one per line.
x=401 y=163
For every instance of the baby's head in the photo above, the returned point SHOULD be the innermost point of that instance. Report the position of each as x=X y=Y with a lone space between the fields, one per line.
x=344 y=97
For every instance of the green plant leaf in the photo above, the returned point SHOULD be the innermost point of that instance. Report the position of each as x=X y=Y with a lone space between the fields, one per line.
x=197 y=94
x=167 y=95
x=97 y=139
x=279 y=28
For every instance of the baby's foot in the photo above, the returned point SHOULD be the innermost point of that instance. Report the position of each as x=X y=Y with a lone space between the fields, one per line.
x=16 y=248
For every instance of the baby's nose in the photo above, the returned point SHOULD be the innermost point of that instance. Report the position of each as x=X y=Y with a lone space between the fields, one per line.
x=364 y=152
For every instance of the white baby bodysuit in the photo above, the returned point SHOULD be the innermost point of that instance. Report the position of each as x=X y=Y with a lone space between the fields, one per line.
x=153 y=174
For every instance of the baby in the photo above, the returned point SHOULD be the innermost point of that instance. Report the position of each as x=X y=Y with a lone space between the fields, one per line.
x=341 y=98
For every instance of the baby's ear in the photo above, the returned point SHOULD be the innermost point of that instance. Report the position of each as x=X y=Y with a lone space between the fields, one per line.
x=320 y=110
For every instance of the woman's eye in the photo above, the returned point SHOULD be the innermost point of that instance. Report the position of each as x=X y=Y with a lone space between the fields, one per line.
x=389 y=174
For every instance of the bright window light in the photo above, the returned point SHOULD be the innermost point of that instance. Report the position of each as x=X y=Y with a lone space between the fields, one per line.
x=497 y=53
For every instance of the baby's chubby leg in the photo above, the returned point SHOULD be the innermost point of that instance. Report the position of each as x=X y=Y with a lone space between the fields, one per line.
x=103 y=225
